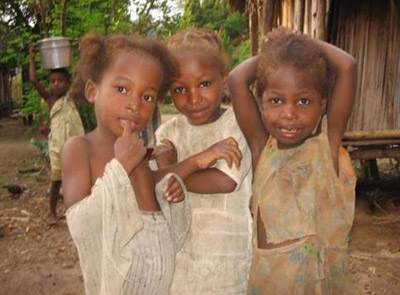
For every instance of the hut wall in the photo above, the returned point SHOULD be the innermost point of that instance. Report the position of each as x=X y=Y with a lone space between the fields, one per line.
x=370 y=31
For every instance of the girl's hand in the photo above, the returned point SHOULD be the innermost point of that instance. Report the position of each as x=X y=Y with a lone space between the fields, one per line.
x=226 y=149
x=129 y=148
x=174 y=191
x=32 y=51
x=165 y=154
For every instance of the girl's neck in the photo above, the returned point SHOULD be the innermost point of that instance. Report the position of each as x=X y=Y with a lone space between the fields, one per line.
x=216 y=115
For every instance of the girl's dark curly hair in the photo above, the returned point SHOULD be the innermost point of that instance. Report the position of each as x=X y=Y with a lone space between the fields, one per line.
x=300 y=52
x=98 y=52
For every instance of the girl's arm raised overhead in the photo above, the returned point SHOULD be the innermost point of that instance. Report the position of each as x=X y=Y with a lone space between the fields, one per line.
x=343 y=92
x=32 y=74
x=246 y=108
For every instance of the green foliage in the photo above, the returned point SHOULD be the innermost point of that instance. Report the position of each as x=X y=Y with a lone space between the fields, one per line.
x=240 y=53
x=86 y=112
x=167 y=108
x=32 y=104
x=23 y=22
x=43 y=146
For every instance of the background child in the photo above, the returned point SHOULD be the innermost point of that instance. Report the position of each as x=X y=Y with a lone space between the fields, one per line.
x=125 y=244
x=65 y=122
x=303 y=189
x=216 y=254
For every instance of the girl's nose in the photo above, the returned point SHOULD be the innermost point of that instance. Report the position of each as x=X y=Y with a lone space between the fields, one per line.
x=194 y=97
x=289 y=111
x=133 y=104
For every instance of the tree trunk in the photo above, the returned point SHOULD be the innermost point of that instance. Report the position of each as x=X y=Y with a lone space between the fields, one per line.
x=64 y=17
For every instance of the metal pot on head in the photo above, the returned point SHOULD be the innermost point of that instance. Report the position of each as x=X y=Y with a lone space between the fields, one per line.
x=55 y=52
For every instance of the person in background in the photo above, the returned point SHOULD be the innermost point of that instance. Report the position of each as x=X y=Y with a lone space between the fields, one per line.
x=65 y=122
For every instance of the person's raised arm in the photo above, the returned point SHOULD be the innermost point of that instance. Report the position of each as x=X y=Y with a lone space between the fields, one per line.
x=245 y=106
x=32 y=74
x=343 y=92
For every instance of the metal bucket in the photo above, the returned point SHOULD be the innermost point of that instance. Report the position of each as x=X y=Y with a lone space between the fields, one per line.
x=55 y=52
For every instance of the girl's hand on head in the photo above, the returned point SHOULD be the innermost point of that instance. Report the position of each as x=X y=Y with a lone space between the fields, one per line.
x=226 y=149
x=165 y=154
x=174 y=191
x=129 y=149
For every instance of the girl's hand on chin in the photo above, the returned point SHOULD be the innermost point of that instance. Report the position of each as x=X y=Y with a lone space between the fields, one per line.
x=129 y=148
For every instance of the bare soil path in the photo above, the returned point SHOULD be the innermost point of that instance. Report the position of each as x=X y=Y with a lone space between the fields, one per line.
x=38 y=259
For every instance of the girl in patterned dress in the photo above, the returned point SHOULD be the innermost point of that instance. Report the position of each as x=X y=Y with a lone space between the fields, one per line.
x=304 y=183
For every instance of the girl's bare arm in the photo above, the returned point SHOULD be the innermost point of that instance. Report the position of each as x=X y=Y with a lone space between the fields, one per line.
x=76 y=178
x=246 y=108
x=343 y=92
x=32 y=75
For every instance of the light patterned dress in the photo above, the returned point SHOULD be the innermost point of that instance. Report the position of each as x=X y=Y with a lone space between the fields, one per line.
x=65 y=122
x=298 y=195
x=216 y=254
x=122 y=250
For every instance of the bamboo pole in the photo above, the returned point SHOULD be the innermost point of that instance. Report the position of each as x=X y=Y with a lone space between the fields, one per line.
x=376 y=134
x=368 y=154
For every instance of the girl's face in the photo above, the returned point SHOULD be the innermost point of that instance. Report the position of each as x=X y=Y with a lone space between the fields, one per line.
x=58 y=83
x=197 y=92
x=127 y=91
x=291 y=106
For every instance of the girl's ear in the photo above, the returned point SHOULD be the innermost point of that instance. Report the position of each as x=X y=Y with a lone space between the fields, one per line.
x=90 y=91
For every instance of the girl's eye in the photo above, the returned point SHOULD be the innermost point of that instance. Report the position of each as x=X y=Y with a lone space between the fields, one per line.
x=179 y=89
x=205 y=84
x=303 y=101
x=148 y=98
x=121 y=89
x=276 y=100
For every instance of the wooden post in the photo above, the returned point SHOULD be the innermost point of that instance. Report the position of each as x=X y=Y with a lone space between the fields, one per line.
x=253 y=26
x=267 y=17
x=321 y=12
x=308 y=17
x=299 y=15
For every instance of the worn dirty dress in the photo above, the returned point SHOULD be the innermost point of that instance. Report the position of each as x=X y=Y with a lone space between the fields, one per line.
x=298 y=195
x=215 y=257
x=123 y=250
x=65 y=122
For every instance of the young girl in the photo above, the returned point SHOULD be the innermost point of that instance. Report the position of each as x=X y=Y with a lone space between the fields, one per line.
x=303 y=189
x=125 y=244
x=216 y=254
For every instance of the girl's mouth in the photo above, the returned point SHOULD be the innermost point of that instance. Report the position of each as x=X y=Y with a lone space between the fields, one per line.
x=289 y=132
x=133 y=125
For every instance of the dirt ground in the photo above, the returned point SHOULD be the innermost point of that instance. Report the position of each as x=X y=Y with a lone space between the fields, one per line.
x=38 y=259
